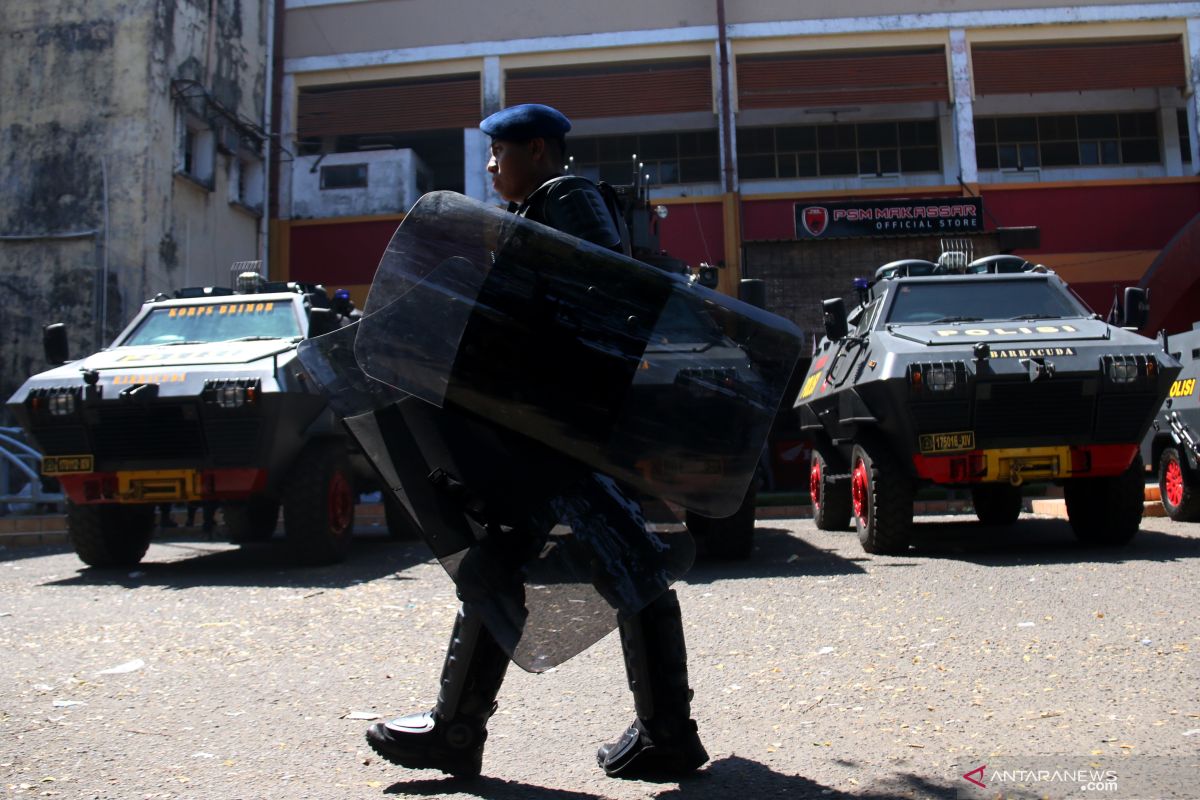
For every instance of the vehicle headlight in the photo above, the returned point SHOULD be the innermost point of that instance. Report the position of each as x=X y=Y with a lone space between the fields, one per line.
x=939 y=379
x=230 y=396
x=1123 y=371
x=61 y=404
x=231 y=393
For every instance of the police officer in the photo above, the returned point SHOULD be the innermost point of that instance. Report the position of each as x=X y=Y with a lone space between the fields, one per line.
x=528 y=151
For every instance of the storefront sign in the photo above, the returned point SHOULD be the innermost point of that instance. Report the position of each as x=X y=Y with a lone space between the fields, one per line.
x=932 y=215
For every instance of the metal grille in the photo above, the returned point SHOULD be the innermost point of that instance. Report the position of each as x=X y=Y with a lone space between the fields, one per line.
x=841 y=80
x=1039 y=408
x=1120 y=417
x=62 y=440
x=1076 y=68
x=941 y=417
x=232 y=441
x=148 y=433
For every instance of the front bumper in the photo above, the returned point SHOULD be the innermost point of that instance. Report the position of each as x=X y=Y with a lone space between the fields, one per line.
x=163 y=486
x=1017 y=465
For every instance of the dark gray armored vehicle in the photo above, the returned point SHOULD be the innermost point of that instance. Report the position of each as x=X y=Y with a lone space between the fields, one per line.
x=985 y=376
x=200 y=399
x=1172 y=445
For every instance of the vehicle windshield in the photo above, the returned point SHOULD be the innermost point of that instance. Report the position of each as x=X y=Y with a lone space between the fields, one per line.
x=216 y=322
x=978 y=301
x=683 y=322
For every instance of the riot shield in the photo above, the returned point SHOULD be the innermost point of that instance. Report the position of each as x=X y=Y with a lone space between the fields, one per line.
x=640 y=374
x=516 y=389
x=554 y=567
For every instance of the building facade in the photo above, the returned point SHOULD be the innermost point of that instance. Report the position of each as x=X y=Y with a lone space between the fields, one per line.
x=131 y=156
x=1079 y=121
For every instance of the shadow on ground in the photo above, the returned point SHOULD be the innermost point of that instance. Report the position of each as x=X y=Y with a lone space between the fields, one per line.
x=201 y=563
x=777 y=553
x=732 y=776
x=1039 y=541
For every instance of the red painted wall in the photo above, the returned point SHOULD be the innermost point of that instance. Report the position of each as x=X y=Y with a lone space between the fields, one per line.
x=1081 y=219
x=339 y=253
x=694 y=232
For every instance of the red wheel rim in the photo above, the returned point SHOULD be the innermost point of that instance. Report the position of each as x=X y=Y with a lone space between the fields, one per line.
x=814 y=484
x=858 y=489
x=1174 y=481
x=340 y=504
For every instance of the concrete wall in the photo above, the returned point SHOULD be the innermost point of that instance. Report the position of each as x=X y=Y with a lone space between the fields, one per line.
x=395 y=179
x=88 y=146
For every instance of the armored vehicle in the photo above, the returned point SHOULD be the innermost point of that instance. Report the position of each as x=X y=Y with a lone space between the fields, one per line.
x=1172 y=445
x=200 y=399
x=986 y=376
x=683 y=334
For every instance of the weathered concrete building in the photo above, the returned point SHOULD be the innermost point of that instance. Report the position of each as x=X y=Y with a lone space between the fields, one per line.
x=131 y=159
x=1079 y=120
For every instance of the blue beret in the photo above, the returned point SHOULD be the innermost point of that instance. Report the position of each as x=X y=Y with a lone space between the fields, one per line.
x=524 y=122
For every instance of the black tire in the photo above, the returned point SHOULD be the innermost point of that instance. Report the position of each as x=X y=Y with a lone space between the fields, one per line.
x=881 y=496
x=318 y=504
x=830 y=501
x=1107 y=511
x=110 y=535
x=728 y=538
x=401 y=526
x=996 y=503
x=252 y=521
x=1178 y=486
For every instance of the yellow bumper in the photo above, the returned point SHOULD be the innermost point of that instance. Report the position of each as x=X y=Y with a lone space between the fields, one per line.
x=1017 y=465
x=140 y=486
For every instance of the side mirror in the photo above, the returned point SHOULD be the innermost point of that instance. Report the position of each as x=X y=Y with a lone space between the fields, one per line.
x=1137 y=308
x=321 y=321
x=834 y=312
x=54 y=344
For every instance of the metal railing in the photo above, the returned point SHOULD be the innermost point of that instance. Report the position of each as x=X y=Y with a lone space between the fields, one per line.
x=15 y=454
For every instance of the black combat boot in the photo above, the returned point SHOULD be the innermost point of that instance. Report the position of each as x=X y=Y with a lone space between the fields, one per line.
x=662 y=741
x=451 y=736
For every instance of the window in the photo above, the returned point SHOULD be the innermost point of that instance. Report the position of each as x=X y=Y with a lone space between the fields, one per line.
x=246 y=181
x=344 y=176
x=216 y=322
x=1185 y=136
x=855 y=149
x=196 y=150
x=1066 y=140
x=687 y=157
x=923 y=303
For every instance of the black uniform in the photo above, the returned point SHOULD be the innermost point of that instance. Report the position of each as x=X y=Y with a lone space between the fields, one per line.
x=450 y=737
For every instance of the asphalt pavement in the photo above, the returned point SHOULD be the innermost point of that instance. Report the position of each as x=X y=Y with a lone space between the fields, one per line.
x=217 y=671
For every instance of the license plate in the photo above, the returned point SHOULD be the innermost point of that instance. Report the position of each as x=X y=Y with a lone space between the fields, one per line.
x=947 y=442
x=64 y=465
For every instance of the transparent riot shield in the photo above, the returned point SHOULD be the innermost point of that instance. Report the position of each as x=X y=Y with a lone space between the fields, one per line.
x=642 y=375
x=517 y=390
x=552 y=555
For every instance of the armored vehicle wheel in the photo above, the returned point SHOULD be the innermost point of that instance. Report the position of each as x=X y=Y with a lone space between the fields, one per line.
x=252 y=521
x=400 y=524
x=882 y=498
x=318 y=504
x=996 y=503
x=110 y=535
x=1178 y=486
x=1107 y=511
x=830 y=501
x=730 y=538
